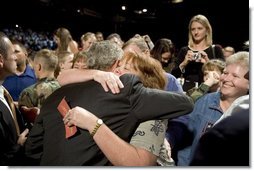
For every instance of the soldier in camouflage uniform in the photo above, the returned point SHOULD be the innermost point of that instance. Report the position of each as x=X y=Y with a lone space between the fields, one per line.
x=45 y=63
x=35 y=95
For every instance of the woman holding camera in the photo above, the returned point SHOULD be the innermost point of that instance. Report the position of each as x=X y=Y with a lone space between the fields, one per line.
x=199 y=50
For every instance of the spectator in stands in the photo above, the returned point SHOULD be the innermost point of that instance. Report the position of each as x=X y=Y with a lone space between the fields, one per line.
x=228 y=51
x=99 y=36
x=33 y=97
x=210 y=107
x=65 y=61
x=164 y=51
x=11 y=141
x=200 y=49
x=212 y=71
x=65 y=41
x=87 y=40
x=24 y=76
x=116 y=38
x=80 y=60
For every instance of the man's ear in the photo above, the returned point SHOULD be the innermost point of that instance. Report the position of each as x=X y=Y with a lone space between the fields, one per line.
x=39 y=67
x=1 y=61
x=26 y=54
x=61 y=65
x=114 y=66
x=246 y=76
x=147 y=52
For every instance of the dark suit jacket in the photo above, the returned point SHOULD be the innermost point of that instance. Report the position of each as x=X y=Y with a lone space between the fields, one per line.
x=226 y=144
x=122 y=113
x=9 y=149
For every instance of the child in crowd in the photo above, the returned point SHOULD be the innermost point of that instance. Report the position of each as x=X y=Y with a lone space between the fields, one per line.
x=211 y=71
x=80 y=60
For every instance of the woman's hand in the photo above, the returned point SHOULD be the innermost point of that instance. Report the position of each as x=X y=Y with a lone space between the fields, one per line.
x=81 y=118
x=108 y=80
x=204 y=57
x=187 y=59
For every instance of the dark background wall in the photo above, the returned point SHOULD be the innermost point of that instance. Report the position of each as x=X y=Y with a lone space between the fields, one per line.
x=229 y=19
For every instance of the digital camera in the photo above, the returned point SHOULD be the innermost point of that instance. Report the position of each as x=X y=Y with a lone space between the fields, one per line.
x=196 y=55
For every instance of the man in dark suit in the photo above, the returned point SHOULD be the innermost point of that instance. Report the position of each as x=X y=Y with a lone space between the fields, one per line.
x=11 y=140
x=121 y=112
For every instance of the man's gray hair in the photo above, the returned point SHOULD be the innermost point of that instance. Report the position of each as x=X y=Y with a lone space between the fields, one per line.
x=102 y=55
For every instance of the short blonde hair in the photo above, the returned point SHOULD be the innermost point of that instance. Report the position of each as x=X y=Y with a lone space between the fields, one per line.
x=48 y=59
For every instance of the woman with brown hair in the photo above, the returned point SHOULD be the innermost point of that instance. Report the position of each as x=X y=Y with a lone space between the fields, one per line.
x=65 y=41
x=143 y=150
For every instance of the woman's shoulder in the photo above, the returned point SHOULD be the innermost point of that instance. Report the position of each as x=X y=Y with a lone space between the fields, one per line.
x=209 y=97
x=129 y=80
x=73 y=46
x=185 y=48
x=214 y=46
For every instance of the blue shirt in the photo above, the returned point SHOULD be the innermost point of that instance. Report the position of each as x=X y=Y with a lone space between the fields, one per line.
x=173 y=84
x=15 y=84
x=205 y=113
x=174 y=133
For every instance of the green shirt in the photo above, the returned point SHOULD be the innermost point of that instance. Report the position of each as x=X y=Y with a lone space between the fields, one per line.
x=35 y=95
x=196 y=93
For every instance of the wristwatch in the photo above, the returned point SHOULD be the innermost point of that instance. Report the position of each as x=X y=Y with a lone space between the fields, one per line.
x=99 y=122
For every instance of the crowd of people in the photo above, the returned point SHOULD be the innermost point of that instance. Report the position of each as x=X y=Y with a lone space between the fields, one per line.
x=109 y=102
x=31 y=39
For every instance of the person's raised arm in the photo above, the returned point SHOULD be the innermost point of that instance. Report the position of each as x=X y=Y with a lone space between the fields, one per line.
x=211 y=79
x=108 y=80
x=119 y=152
